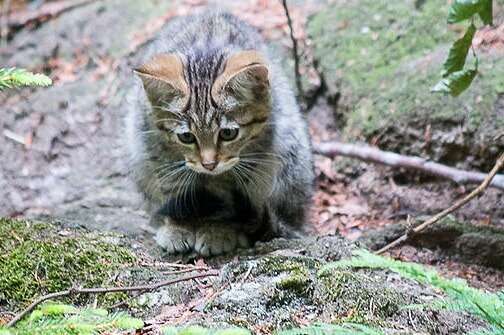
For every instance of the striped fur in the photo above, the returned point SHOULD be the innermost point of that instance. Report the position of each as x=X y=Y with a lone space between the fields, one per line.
x=231 y=80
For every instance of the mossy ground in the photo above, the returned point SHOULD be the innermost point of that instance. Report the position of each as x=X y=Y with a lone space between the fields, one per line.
x=35 y=260
x=295 y=273
x=286 y=290
x=354 y=298
x=383 y=57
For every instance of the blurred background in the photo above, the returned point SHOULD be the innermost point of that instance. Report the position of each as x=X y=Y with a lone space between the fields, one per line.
x=366 y=66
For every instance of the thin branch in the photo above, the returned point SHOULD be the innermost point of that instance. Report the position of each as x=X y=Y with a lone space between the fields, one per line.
x=454 y=207
x=295 y=53
x=369 y=154
x=139 y=293
x=74 y=291
x=174 y=265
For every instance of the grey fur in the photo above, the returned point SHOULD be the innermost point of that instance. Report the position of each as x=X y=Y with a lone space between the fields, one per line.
x=276 y=196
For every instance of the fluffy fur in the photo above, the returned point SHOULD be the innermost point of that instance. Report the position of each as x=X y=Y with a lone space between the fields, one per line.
x=203 y=74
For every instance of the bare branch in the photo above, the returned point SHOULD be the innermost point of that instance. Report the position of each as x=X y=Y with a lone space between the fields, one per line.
x=74 y=291
x=295 y=52
x=369 y=154
x=454 y=207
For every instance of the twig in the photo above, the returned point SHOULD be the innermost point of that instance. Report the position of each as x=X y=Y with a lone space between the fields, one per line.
x=139 y=293
x=73 y=291
x=174 y=265
x=295 y=53
x=457 y=205
x=369 y=154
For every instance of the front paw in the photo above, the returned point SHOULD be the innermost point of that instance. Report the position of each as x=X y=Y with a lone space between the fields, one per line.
x=216 y=240
x=175 y=239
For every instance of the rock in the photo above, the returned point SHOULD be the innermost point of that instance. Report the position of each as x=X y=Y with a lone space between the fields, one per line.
x=276 y=285
x=380 y=61
x=483 y=245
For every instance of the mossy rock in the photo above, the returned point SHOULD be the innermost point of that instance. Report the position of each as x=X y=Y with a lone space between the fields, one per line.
x=37 y=259
x=354 y=297
x=382 y=58
x=471 y=244
x=275 y=286
x=284 y=289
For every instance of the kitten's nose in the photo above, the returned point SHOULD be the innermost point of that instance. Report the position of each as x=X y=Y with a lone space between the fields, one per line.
x=209 y=165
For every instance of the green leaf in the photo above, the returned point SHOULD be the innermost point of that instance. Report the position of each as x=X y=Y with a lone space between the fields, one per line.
x=486 y=12
x=83 y=328
x=233 y=331
x=456 y=82
x=458 y=52
x=4 y=331
x=461 y=10
x=329 y=329
x=126 y=322
x=97 y=312
x=194 y=330
x=169 y=331
x=58 y=309
x=36 y=315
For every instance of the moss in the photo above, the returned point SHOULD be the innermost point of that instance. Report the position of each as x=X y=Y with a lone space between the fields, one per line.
x=355 y=297
x=297 y=271
x=36 y=260
x=383 y=57
x=358 y=42
x=278 y=264
x=404 y=99
x=297 y=282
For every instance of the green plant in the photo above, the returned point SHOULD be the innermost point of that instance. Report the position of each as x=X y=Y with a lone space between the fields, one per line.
x=13 y=77
x=488 y=306
x=197 y=330
x=36 y=260
x=456 y=79
x=60 y=319
x=315 y=329
x=327 y=329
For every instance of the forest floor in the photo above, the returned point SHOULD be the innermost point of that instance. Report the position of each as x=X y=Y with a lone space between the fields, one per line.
x=61 y=147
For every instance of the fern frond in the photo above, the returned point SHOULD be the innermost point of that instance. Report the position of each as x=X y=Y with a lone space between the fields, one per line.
x=197 y=330
x=328 y=329
x=486 y=305
x=61 y=319
x=13 y=77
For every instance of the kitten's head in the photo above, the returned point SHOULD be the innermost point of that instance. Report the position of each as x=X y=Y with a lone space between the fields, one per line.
x=208 y=109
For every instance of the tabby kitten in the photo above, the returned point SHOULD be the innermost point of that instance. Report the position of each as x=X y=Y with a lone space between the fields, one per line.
x=218 y=146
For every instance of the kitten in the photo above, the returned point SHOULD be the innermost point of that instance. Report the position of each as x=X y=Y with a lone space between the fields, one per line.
x=218 y=145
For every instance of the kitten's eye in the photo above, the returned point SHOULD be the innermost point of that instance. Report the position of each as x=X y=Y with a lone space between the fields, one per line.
x=228 y=134
x=186 y=138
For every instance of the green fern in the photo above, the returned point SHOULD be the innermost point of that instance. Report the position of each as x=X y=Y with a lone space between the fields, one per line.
x=197 y=330
x=60 y=319
x=327 y=329
x=13 y=77
x=315 y=329
x=488 y=306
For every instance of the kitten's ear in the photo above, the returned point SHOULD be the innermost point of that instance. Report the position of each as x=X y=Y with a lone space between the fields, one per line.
x=163 y=80
x=245 y=78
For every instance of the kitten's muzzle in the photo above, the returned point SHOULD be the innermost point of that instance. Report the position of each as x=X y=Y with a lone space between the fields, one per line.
x=210 y=166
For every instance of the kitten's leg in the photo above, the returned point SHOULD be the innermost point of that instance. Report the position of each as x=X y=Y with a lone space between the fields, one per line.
x=175 y=238
x=218 y=239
